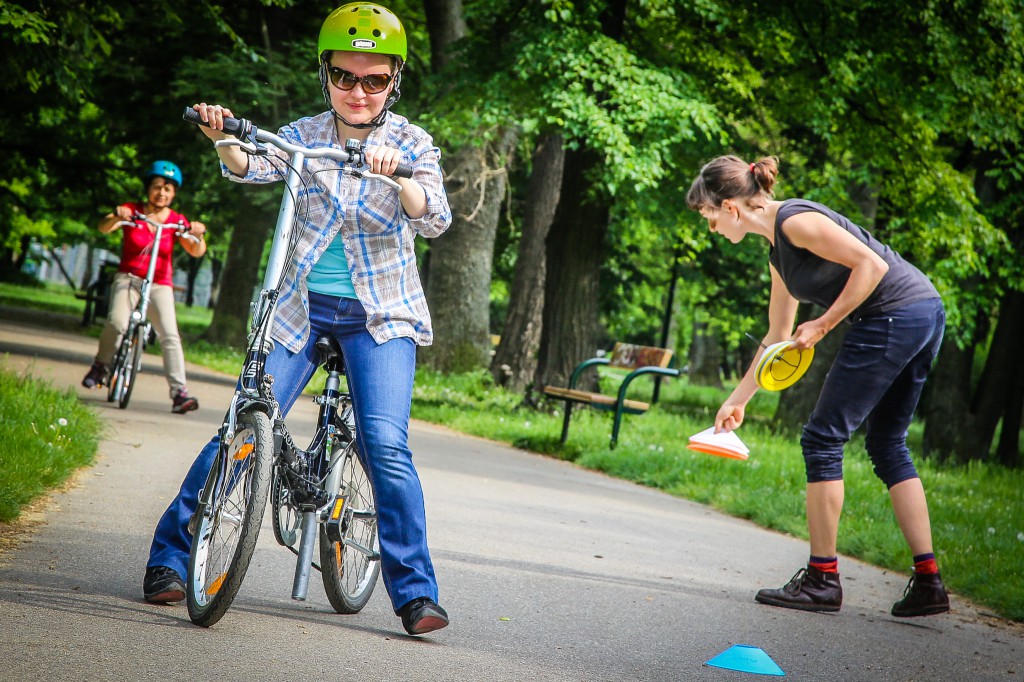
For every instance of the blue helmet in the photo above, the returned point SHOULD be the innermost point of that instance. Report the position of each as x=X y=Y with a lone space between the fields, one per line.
x=163 y=169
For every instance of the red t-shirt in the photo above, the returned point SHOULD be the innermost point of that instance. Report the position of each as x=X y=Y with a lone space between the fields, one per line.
x=141 y=237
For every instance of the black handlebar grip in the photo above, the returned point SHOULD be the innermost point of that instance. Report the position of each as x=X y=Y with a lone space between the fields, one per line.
x=403 y=171
x=238 y=127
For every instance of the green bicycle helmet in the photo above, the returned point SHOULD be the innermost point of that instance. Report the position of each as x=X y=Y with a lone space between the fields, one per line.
x=363 y=27
x=163 y=169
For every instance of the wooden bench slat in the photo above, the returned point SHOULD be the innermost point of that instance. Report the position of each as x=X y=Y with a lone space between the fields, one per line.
x=594 y=398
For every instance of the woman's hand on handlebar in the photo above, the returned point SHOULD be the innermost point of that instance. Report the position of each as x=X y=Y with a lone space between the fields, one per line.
x=192 y=240
x=385 y=161
x=213 y=114
x=124 y=213
x=382 y=160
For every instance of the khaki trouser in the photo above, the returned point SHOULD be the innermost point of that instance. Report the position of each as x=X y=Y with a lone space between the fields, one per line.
x=123 y=299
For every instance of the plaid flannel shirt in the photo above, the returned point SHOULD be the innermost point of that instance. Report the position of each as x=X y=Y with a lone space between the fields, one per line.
x=377 y=233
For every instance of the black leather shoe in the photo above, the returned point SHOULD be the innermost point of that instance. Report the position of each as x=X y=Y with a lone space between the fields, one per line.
x=925 y=595
x=422 y=615
x=808 y=590
x=162 y=585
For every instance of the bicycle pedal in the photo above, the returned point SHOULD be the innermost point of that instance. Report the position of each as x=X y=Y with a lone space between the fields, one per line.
x=336 y=526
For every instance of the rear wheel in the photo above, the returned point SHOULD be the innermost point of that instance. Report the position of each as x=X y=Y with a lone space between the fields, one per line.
x=227 y=530
x=132 y=364
x=350 y=567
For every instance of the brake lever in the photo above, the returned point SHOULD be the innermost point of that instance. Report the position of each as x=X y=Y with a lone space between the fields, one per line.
x=363 y=172
x=249 y=147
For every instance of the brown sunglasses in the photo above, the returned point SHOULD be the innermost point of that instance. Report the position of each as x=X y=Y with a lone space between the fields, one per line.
x=345 y=80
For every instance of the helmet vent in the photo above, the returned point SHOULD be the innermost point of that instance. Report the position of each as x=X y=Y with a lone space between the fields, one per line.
x=352 y=31
x=376 y=33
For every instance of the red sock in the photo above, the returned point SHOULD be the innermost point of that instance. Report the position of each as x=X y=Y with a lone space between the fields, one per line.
x=925 y=564
x=824 y=564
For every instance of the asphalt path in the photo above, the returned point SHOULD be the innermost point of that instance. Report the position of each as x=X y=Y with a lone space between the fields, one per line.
x=549 y=572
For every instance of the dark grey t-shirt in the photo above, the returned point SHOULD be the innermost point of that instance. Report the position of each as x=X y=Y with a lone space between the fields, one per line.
x=813 y=279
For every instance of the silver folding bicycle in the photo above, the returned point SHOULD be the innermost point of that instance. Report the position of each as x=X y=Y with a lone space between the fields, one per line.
x=318 y=496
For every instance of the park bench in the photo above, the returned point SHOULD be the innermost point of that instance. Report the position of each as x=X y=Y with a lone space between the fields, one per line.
x=638 y=359
x=97 y=294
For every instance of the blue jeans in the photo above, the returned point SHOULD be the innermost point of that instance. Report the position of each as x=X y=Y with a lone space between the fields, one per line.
x=877 y=377
x=380 y=379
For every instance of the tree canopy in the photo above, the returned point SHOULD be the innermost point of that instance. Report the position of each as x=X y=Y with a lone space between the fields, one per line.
x=904 y=116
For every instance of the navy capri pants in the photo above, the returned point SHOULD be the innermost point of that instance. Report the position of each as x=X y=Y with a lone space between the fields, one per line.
x=877 y=377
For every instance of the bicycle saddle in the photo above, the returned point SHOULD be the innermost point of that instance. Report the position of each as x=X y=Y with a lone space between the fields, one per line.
x=330 y=354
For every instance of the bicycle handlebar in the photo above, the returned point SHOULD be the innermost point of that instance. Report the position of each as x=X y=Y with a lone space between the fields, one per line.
x=248 y=133
x=178 y=228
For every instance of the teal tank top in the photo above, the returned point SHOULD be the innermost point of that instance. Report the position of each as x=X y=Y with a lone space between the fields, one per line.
x=330 y=274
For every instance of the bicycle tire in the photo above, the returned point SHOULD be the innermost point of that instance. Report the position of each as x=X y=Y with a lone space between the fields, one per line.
x=116 y=374
x=227 y=531
x=132 y=364
x=350 y=568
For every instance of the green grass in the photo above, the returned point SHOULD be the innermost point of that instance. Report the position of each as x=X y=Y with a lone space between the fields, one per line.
x=47 y=435
x=977 y=512
x=55 y=298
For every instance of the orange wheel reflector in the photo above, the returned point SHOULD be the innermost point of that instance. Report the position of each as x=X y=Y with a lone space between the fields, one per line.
x=214 y=587
x=244 y=451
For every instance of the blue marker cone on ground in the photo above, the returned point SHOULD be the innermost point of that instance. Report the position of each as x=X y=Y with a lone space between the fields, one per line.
x=747 y=659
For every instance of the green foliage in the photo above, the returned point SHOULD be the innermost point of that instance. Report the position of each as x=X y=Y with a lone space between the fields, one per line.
x=904 y=116
x=48 y=434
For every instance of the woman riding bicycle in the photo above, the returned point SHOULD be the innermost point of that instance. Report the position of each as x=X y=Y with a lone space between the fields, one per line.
x=162 y=180
x=352 y=276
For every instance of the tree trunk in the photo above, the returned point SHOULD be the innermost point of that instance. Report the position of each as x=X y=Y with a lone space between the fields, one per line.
x=994 y=396
x=946 y=407
x=797 y=402
x=459 y=289
x=445 y=25
x=90 y=255
x=216 y=266
x=241 y=273
x=705 y=357
x=1008 y=448
x=194 y=265
x=574 y=255
x=515 y=360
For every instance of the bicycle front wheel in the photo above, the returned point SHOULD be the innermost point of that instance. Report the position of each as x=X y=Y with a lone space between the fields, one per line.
x=229 y=527
x=350 y=567
x=132 y=364
x=115 y=376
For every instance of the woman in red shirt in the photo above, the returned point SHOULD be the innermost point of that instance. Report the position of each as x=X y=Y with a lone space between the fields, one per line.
x=162 y=180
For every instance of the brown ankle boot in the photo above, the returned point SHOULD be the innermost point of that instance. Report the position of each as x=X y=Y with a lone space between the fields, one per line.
x=925 y=595
x=808 y=590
